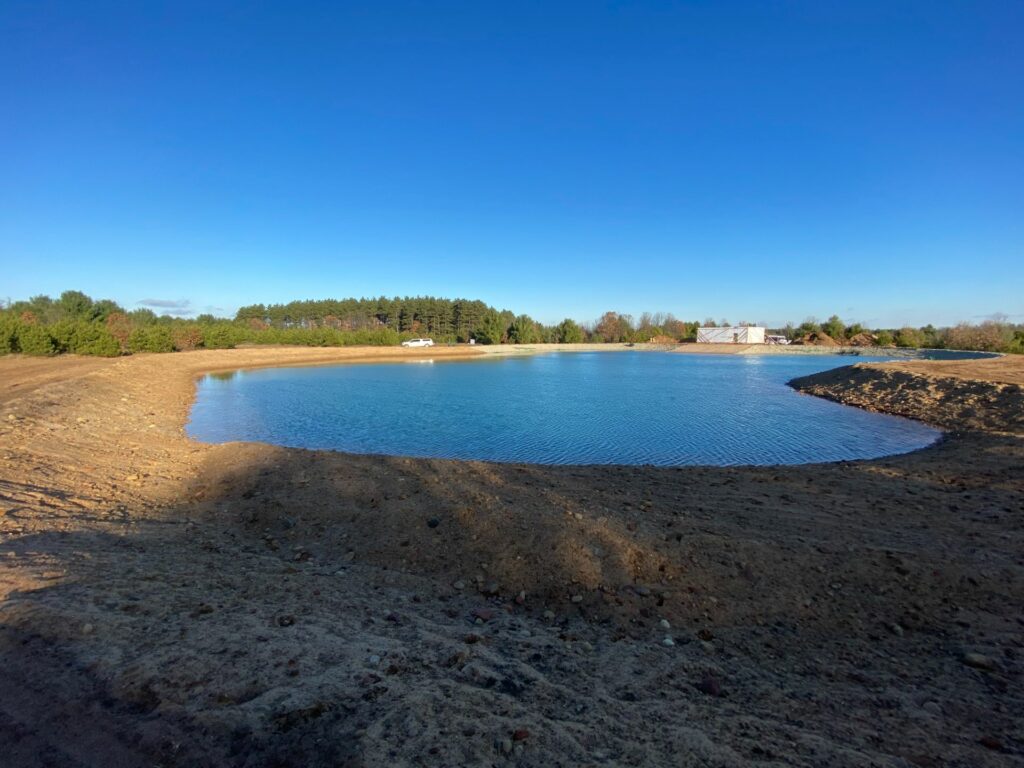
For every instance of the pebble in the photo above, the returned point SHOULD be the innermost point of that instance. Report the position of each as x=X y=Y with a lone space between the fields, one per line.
x=932 y=707
x=664 y=624
x=549 y=615
x=978 y=661
x=505 y=745
x=374 y=659
x=668 y=642
x=491 y=590
x=520 y=734
x=433 y=522
x=285 y=621
x=577 y=598
x=709 y=684
x=459 y=584
x=991 y=742
x=709 y=647
x=896 y=629
x=87 y=629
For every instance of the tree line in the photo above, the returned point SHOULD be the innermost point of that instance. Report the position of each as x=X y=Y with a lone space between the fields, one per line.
x=76 y=323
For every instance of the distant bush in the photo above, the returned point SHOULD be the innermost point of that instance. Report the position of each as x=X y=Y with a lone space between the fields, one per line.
x=909 y=337
x=987 y=337
x=94 y=339
x=8 y=335
x=36 y=340
x=186 y=337
x=151 y=338
x=222 y=336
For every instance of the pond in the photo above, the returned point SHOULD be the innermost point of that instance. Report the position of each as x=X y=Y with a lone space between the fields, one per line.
x=571 y=408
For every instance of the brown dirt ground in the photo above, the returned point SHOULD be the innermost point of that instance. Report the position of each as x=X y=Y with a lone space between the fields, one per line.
x=164 y=602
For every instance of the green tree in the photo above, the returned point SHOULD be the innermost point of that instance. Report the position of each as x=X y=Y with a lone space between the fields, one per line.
x=909 y=337
x=36 y=340
x=523 y=331
x=152 y=338
x=569 y=332
x=491 y=329
x=834 y=327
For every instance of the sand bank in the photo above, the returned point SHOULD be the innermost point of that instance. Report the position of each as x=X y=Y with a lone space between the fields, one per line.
x=164 y=602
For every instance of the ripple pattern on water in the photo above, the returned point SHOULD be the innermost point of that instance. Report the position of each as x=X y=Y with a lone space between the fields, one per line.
x=573 y=408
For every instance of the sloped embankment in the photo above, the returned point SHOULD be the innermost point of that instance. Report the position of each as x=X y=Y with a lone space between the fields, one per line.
x=946 y=401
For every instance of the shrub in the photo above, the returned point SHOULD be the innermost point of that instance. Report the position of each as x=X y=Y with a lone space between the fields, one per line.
x=8 y=335
x=95 y=339
x=153 y=338
x=36 y=340
x=120 y=327
x=220 y=336
x=186 y=337
x=909 y=337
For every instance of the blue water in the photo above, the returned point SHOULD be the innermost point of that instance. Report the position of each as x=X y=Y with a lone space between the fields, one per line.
x=572 y=408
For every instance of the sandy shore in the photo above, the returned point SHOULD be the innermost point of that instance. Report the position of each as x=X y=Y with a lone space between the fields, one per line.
x=164 y=602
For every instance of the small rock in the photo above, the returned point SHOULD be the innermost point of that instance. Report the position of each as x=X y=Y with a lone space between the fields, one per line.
x=374 y=659
x=706 y=635
x=577 y=598
x=433 y=522
x=709 y=684
x=491 y=590
x=664 y=624
x=520 y=734
x=483 y=614
x=896 y=629
x=991 y=742
x=521 y=597
x=979 y=661
x=549 y=615
x=642 y=591
x=709 y=647
x=505 y=745
x=472 y=638
x=459 y=584
x=285 y=621
x=932 y=707
x=87 y=629
x=668 y=642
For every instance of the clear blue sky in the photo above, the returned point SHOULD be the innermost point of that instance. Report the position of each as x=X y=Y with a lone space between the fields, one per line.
x=761 y=161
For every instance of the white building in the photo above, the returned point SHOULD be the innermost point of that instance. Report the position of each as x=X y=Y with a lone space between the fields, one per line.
x=741 y=334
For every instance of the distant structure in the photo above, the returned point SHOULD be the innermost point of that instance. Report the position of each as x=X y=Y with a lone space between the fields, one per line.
x=740 y=334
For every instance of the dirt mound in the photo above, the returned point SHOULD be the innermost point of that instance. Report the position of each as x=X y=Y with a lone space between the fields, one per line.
x=817 y=339
x=863 y=339
x=947 y=402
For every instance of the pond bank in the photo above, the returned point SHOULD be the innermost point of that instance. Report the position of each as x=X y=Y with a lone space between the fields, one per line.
x=163 y=601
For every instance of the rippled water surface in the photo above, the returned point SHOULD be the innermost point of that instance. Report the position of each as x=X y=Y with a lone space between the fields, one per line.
x=572 y=408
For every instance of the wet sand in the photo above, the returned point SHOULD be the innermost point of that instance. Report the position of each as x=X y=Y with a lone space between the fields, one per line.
x=164 y=602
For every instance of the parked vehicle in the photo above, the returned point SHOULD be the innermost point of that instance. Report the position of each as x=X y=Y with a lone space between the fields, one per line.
x=418 y=343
